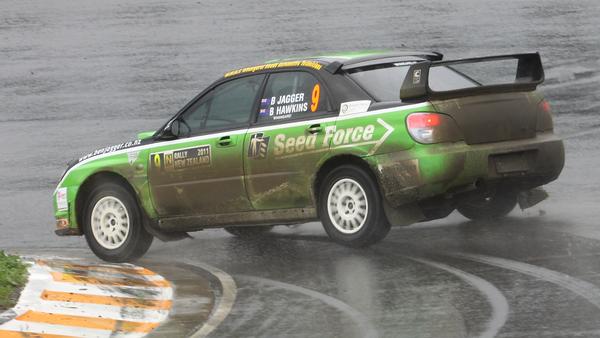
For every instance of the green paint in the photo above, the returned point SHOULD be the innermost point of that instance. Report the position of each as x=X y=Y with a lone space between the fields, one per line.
x=280 y=177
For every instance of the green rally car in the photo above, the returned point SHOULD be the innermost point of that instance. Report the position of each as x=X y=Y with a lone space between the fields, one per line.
x=360 y=141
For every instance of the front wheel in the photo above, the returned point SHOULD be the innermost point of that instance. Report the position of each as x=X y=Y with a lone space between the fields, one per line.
x=351 y=209
x=113 y=224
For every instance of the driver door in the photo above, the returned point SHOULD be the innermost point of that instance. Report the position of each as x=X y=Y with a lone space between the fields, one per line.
x=201 y=172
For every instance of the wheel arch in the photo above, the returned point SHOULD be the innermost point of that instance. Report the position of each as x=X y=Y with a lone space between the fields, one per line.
x=335 y=162
x=88 y=185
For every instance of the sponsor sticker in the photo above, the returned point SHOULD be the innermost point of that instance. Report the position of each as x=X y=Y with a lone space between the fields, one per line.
x=111 y=149
x=132 y=156
x=62 y=203
x=182 y=159
x=416 y=76
x=258 y=147
x=354 y=107
x=363 y=135
x=275 y=65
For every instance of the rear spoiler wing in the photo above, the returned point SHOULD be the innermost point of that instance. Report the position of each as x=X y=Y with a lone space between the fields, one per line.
x=529 y=75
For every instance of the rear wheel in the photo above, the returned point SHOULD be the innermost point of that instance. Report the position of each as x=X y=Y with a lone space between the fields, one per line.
x=113 y=226
x=248 y=231
x=496 y=205
x=351 y=209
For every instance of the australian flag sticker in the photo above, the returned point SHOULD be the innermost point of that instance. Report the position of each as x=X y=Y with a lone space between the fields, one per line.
x=258 y=146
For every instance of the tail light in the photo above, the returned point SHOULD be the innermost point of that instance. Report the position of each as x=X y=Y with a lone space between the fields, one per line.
x=432 y=128
x=544 y=117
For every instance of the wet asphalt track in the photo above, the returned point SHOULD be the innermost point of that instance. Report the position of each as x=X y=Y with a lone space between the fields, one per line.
x=78 y=75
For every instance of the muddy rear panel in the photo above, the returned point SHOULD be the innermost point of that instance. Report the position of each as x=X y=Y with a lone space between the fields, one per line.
x=493 y=117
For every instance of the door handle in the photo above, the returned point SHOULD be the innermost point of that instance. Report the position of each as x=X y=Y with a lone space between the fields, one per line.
x=314 y=129
x=225 y=141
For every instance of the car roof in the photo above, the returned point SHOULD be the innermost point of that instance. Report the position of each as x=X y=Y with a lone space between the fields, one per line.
x=348 y=58
x=345 y=60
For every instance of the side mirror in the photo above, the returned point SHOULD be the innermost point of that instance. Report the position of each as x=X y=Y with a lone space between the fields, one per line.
x=175 y=129
x=145 y=135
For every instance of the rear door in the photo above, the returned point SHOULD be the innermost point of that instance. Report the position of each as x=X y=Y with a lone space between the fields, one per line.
x=203 y=173
x=287 y=143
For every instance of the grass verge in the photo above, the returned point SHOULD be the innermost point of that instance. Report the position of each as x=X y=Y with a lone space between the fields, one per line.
x=13 y=275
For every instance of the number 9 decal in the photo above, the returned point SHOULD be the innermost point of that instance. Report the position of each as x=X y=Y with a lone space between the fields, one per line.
x=316 y=95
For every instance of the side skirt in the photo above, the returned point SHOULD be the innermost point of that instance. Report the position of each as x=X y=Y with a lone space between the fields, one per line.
x=250 y=218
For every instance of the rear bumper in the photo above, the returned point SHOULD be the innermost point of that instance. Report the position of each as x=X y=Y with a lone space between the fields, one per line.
x=430 y=170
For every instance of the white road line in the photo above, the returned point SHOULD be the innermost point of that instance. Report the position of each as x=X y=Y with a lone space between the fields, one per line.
x=225 y=302
x=495 y=298
x=365 y=326
x=588 y=291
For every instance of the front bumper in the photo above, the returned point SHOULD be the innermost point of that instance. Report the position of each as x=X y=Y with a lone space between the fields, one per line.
x=64 y=212
x=431 y=170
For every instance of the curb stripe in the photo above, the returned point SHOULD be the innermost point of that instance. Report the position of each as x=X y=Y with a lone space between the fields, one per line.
x=109 y=269
x=100 y=311
x=156 y=293
x=72 y=278
x=61 y=304
x=87 y=322
x=66 y=331
x=107 y=275
x=57 y=296
x=23 y=334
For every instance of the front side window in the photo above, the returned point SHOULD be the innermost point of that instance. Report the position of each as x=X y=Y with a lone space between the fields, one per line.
x=229 y=105
x=292 y=95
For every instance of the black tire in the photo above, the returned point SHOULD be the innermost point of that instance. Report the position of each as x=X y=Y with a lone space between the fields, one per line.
x=361 y=230
x=248 y=231
x=136 y=241
x=494 y=206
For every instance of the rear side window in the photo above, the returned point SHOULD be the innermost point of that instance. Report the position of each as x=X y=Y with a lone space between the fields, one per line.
x=383 y=82
x=292 y=95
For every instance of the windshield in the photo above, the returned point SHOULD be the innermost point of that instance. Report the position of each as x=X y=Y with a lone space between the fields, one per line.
x=383 y=82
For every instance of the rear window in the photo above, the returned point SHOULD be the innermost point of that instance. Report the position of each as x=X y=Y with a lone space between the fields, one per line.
x=383 y=82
